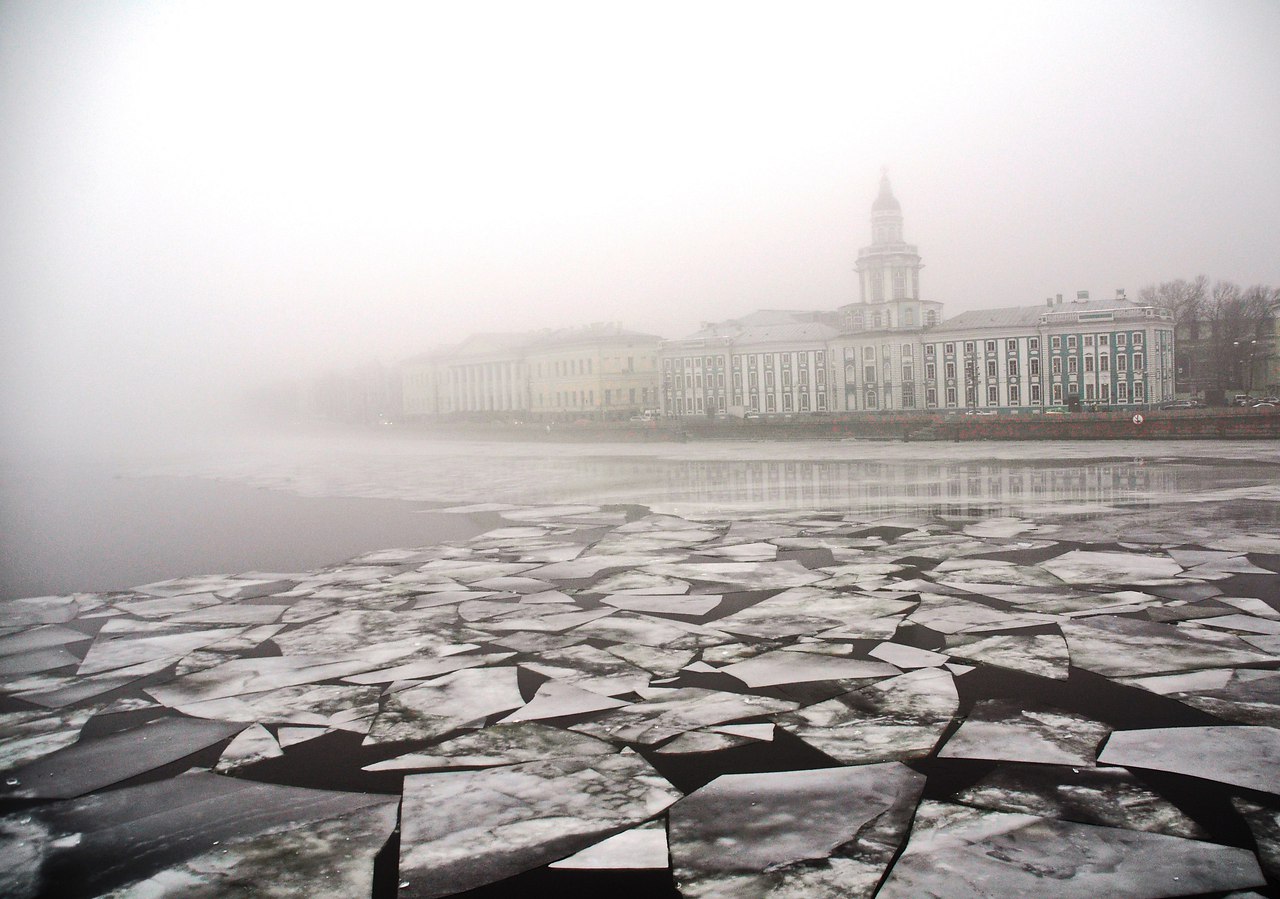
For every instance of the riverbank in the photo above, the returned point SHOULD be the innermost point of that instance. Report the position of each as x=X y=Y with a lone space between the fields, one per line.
x=1156 y=424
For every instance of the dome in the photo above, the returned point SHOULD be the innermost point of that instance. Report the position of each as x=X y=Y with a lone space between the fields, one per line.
x=886 y=202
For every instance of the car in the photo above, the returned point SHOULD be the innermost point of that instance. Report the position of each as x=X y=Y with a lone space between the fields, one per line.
x=981 y=412
x=1263 y=405
x=1183 y=404
x=1243 y=399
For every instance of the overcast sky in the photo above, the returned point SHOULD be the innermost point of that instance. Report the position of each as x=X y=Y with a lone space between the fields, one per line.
x=200 y=193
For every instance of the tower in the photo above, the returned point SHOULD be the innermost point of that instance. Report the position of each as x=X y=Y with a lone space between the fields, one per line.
x=888 y=269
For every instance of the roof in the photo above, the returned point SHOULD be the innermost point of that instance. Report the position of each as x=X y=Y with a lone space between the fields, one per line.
x=1029 y=316
x=769 y=325
x=886 y=201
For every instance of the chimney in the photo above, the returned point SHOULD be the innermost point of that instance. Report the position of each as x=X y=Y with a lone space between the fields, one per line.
x=1120 y=293
x=1049 y=302
x=1059 y=300
x=1082 y=296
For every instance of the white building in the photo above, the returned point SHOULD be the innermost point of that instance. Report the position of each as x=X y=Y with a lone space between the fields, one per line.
x=769 y=362
x=1105 y=352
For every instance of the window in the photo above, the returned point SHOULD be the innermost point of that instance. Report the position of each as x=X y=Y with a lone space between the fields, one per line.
x=699 y=401
x=1137 y=361
x=1071 y=342
x=804 y=402
x=822 y=402
x=991 y=346
x=821 y=358
x=1120 y=339
x=906 y=351
x=951 y=396
x=755 y=403
x=1088 y=393
x=1105 y=392
x=1137 y=392
x=929 y=349
x=737 y=362
x=1033 y=367
x=1088 y=340
x=930 y=371
x=1055 y=343
x=869 y=374
x=908 y=371
x=1033 y=344
x=968 y=347
x=949 y=349
x=1122 y=363
x=871 y=399
x=1012 y=367
x=991 y=368
x=1088 y=363
x=1122 y=392
x=1056 y=365
x=1104 y=363
x=1011 y=346
x=993 y=395
x=786 y=402
x=666 y=364
x=899 y=284
x=868 y=352
x=769 y=403
x=697 y=380
x=1035 y=394
x=951 y=371
x=1137 y=341
x=804 y=376
x=1071 y=365
x=822 y=377
x=1104 y=340
x=908 y=399
x=753 y=380
x=737 y=380
x=931 y=396
x=768 y=380
x=1057 y=394
x=786 y=377
x=1014 y=396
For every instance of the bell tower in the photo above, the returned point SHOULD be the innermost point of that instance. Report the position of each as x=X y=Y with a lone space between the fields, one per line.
x=888 y=269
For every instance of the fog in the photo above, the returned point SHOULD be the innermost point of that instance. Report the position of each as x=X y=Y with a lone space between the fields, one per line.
x=201 y=196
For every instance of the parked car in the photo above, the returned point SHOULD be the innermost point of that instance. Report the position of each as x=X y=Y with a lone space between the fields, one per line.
x=1183 y=404
x=1243 y=399
x=1263 y=405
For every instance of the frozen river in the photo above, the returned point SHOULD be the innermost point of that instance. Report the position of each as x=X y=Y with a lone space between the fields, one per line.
x=423 y=669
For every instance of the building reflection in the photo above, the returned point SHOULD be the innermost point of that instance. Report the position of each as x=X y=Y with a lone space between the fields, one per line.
x=948 y=490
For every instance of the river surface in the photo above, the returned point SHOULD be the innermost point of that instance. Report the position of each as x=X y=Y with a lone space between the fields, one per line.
x=286 y=503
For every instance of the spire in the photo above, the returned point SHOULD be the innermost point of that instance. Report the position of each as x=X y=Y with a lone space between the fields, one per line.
x=886 y=202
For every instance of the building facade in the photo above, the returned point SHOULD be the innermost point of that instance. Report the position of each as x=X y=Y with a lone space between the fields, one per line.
x=1108 y=353
x=769 y=362
x=599 y=372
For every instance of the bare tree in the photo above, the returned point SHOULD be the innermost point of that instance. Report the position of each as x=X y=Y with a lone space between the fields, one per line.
x=1185 y=299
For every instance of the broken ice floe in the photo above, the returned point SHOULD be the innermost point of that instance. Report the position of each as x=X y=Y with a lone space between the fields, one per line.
x=526 y=668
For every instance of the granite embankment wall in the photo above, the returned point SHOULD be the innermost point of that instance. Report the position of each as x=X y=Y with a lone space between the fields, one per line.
x=1207 y=424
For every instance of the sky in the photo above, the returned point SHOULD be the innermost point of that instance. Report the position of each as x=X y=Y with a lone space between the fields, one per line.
x=198 y=196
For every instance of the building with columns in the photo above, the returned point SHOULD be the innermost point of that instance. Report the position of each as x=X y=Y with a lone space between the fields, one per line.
x=599 y=371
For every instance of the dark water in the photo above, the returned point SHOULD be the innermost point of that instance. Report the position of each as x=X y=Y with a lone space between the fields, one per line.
x=71 y=527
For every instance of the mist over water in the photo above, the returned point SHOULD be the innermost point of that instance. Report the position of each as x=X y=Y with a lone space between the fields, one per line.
x=291 y=503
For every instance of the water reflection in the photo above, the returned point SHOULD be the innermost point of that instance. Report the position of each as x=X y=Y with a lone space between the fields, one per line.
x=950 y=490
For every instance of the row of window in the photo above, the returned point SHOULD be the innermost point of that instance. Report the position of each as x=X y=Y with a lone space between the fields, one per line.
x=695 y=405
x=1013 y=395
x=696 y=381
x=577 y=399
x=1012 y=368
x=802 y=361
x=1124 y=338
x=572 y=367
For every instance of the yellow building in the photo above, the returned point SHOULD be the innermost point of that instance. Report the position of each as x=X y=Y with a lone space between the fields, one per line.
x=600 y=372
